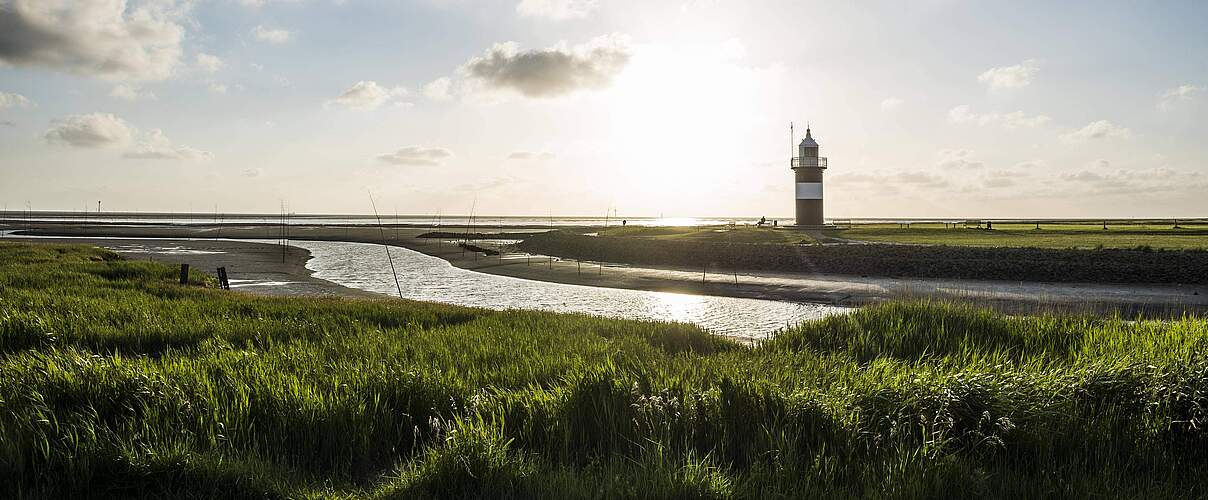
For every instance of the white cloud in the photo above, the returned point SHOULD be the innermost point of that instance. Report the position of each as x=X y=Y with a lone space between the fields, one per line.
x=1014 y=119
x=11 y=100
x=891 y=104
x=1101 y=129
x=271 y=35
x=130 y=92
x=531 y=155
x=438 y=89
x=416 y=156
x=958 y=159
x=94 y=130
x=365 y=95
x=105 y=130
x=558 y=10
x=550 y=72
x=1182 y=93
x=217 y=88
x=1008 y=77
x=1100 y=164
x=252 y=172
x=209 y=63
x=154 y=146
x=106 y=39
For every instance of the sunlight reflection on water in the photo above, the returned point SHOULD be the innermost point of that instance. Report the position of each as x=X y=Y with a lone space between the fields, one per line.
x=424 y=277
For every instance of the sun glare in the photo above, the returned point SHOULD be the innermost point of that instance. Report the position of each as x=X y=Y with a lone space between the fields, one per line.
x=678 y=115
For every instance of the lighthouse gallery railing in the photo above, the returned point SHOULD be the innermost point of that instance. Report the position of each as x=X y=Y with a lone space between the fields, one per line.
x=808 y=162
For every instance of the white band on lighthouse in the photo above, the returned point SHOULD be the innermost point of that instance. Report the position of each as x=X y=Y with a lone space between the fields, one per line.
x=809 y=190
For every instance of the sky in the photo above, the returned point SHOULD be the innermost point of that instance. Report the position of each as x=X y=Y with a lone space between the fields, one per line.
x=932 y=108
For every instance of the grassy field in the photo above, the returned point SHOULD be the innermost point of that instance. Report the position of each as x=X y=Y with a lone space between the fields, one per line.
x=739 y=234
x=119 y=383
x=1139 y=265
x=1068 y=235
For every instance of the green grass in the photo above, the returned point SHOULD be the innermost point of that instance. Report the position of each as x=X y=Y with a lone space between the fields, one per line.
x=117 y=383
x=717 y=234
x=1066 y=235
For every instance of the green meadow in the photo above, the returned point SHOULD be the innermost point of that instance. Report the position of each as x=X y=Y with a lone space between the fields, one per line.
x=1154 y=234
x=117 y=382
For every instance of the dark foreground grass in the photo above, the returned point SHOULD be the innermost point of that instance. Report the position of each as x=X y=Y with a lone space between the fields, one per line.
x=115 y=382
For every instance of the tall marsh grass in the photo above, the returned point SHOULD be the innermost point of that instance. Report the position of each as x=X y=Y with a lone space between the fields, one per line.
x=117 y=382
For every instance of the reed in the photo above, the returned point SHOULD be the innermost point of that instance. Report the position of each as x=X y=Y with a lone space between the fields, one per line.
x=118 y=382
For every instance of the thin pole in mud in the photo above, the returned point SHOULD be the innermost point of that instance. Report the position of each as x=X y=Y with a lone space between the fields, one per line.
x=469 y=224
x=601 y=271
x=282 y=240
x=440 y=242
x=382 y=233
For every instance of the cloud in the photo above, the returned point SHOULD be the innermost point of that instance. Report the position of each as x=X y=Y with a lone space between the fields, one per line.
x=958 y=159
x=558 y=10
x=95 y=130
x=365 y=95
x=550 y=72
x=252 y=172
x=11 y=100
x=208 y=63
x=154 y=146
x=105 y=130
x=998 y=182
x=1101 y=129
x=1012 y=120
x=98 y=38
x=271 y=35
x=1083 y=176
x=889 y=180
x=1134 y=182
x=1101 y=164
x=1029 y=164
x=217 y=88
x=920 y=178
x=1009 y=77
x=8 y=123
x=1182 y=93
x=416 y=156
x=529 y=155
x=891 y=104
x=130 y=92
x=438 y=89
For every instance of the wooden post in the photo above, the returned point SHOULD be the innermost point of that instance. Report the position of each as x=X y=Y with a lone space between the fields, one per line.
x=184 y=274
x=222 y=279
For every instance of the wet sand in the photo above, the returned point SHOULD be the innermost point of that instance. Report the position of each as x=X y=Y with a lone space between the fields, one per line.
x=1022 y=297
x=257 y=268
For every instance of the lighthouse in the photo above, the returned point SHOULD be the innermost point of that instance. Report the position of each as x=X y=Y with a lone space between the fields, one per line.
x=807 y=169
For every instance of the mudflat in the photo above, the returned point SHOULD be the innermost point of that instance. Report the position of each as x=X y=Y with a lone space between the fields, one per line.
x=1011 y=296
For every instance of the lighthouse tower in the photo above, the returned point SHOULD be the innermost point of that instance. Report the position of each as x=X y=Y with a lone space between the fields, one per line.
x=807 y=169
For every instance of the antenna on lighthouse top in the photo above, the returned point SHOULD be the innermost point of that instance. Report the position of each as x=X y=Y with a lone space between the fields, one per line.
x=792 y=141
